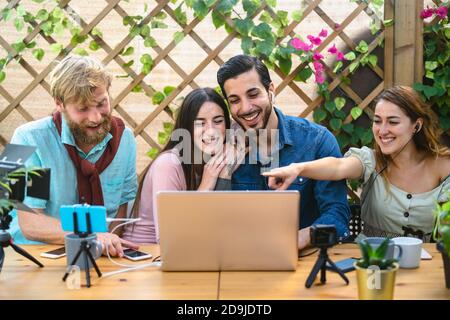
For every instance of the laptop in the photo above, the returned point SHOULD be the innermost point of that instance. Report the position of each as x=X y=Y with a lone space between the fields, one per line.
x=228 y=230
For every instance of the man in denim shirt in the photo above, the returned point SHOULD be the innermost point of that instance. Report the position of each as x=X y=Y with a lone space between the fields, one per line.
x=246 y=84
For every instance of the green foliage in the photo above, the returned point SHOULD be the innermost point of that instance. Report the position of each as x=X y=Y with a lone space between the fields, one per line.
x=153 y=153
x=80 y=51
x=159 y=96
x=356 y=112
x=436 y=83
x=5 y=204
x=56 y=47
x=178 y=36
x=304 y=74
x=38 y=53
x=147 y=63
x=442 y=228
x=93 y=45
x=375 y=257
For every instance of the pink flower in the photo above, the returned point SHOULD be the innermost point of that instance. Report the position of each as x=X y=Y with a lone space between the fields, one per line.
x=314 y=40
x=317 y=56
x=323 y=33
x=426 y=13
x=333 y=49
x=319 y=77
x=300 y=45
x=318 y=67
x=442 y=12
x=337 y=25
x=340 y=56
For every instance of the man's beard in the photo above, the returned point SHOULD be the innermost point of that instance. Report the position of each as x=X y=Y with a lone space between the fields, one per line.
x=81 y=135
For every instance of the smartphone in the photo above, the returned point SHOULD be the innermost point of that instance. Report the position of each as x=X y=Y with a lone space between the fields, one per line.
x=136 y=255
x=54 y=254
x=425 y=255
x=97 y=216
x=345 y=265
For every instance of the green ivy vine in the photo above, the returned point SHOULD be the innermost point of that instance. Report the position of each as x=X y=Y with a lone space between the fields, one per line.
x=435 y=88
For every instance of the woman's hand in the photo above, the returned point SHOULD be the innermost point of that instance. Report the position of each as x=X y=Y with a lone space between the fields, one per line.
x=211 y=171
x=281 y=178
x=234 y=155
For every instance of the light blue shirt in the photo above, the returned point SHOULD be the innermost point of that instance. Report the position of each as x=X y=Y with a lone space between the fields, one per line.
x=118 y=180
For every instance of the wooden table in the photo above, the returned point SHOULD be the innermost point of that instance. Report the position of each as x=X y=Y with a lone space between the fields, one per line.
x=21 y=279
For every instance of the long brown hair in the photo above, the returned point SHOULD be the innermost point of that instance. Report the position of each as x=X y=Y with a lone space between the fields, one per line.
x=427 y=139
x=185 y=120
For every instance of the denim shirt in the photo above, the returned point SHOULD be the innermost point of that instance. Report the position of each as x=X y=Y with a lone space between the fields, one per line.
x=321 y=202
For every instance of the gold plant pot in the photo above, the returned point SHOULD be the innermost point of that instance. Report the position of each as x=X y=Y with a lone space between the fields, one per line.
x=375 y=284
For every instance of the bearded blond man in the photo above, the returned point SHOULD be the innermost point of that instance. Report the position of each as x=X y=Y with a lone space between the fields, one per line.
x=91 y=154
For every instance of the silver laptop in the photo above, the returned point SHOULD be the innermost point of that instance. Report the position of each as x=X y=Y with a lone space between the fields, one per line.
x=228 y=230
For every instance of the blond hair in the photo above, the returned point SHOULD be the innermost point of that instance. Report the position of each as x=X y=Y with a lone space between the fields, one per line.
x=75 y=78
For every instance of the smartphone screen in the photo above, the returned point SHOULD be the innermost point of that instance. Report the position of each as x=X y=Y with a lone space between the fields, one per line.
x=134 y=254
x=55 y=253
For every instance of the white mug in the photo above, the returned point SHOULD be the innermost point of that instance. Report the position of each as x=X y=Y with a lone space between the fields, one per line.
x=412 y=249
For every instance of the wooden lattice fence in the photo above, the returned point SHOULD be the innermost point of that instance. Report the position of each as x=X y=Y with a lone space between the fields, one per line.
x=295 y=98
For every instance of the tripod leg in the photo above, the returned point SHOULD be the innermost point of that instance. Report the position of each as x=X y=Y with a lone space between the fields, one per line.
x=73 y=262
x=335 y=268
x=317 y=267
x=323 y=273
x=94 y=263
x=22 y=252
x=2 y=258
x=86 y=266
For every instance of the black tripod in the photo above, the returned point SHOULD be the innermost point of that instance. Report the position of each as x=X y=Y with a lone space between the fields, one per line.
x=6 y=241
x=321 y=265
x=84 y=249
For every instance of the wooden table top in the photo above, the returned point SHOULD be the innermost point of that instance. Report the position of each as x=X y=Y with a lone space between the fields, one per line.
x=22 y=279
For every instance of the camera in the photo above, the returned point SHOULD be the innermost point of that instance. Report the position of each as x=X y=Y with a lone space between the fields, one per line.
x=323 y=236
x=16 y=186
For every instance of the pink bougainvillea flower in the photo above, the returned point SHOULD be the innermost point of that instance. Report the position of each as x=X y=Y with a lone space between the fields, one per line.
x=426 y=13
x=300 y=45
x=340 y=56
x=442 y=12
x=314 y=40
x=333 y=49
x=318 y=67
x=319 y=77
x=323 y=33
x=317 y=56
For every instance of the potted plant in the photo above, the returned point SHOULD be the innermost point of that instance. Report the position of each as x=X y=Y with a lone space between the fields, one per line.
x=6 y=204
x=442 y=235
x=375 y=274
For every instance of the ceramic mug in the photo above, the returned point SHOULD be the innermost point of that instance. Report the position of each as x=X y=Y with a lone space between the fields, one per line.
x=375 y=242
x=412 y=249
x=73 y=244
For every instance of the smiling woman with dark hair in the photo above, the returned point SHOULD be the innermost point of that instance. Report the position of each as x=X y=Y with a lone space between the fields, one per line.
x=200 y=163
x=403 y=176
